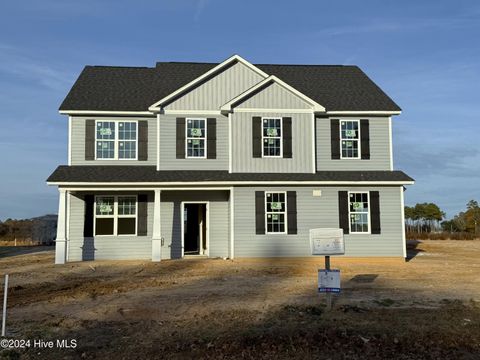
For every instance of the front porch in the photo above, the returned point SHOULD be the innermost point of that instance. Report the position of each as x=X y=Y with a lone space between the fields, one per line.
x=143 y=223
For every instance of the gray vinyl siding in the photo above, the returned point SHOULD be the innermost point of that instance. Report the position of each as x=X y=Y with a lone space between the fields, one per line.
x=105 y=247
x=317 y=212
x=215 y=92
x=168 y=159
x=243 y=160
x=274 y=97
x=219 y=216
x=379 y=147
x=78 y=142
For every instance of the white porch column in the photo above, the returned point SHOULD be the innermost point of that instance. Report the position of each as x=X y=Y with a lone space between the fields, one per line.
x=61 y=240
x=156 y=235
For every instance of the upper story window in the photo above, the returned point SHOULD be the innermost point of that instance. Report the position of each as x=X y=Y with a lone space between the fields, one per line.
x=359 y=213
x=275 y=212
x=116 y=140
x=196 y=135
x=115 y=215
x=349 y=139
x=272 y=137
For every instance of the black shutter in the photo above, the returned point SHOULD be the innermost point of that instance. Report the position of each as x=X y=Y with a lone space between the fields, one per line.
x=260 y=212
x=211 y=138
x=89 y=139
x=88 y=216
x=292 y=212
x=143 y=140
x=180 y=138
x=287 y=137
x=142 y=215
x=343 y=220
x=257 y=136
x=335 y=138
x=365 y=139
x=375 y=212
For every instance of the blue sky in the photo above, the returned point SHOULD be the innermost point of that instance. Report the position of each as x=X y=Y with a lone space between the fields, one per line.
x=424 y=54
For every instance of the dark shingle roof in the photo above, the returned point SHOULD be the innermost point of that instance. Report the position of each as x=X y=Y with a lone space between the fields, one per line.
x=107 y=173
x=336 y=87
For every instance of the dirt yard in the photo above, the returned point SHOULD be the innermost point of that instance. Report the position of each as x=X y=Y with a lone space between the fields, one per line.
x=428 y=307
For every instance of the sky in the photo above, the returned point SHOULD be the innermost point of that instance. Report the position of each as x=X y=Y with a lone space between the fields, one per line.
x=424 y=54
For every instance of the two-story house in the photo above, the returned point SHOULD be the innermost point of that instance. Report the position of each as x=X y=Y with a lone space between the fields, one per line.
x=226 y=160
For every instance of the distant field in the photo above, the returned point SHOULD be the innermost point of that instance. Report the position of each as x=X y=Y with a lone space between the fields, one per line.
x=428 y=307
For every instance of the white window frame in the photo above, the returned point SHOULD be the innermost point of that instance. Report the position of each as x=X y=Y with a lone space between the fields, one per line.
x=368 y=213
x=187 y=138
x=115 y=215
x=116 y=140
x=359 y=155
x=270 y=137
x=285 y=213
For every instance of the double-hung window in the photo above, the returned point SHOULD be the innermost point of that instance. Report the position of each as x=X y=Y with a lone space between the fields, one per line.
x=272 y=137
x=275 y=212
x=116 y=140
x=349 y=139
x=196 y=132
x=115 y=215
x=359 y=213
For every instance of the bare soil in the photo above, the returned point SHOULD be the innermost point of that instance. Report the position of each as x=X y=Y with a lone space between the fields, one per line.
x=426 y=308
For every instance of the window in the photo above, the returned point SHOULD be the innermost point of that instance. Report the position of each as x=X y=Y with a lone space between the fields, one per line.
x=349 y=139
x=116 y=140
x=275 y=212
x=115 y=215
x=196 y=134
x=272 y=137
x=359 y=212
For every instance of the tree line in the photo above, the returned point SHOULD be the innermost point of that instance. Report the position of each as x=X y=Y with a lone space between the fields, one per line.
x=427 y=217
x=41 y=230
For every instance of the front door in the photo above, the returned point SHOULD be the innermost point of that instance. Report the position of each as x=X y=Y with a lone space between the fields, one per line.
x=195 y=228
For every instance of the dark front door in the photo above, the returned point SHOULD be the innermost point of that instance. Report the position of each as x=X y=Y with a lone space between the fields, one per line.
x=194 y=229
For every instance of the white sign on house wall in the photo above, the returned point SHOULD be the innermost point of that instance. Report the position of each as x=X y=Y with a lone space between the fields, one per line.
x=327 y=241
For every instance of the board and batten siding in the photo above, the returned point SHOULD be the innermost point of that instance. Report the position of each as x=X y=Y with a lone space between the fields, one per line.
x=168 y=143
x=317 y=212
x=105 y=247
x=218 y=90
x=302 y=153
x=77 y=142
x=379 y=146
x=274 y=96
x=218 y=229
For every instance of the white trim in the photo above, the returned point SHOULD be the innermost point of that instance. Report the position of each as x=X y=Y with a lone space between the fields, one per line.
x=68 y=200
x=230 y=143
x=285 y=212
x=116 y=140
x=191 y=112
x=158 y=142
x=103 y=112
x=157 y=228
x=272 y=78
x=145 y=188
x=274 y=137
x=207 y=219
x=369 y=215
x=156 y=106
x=69 y=141
x=61 y=238
x=402 y=209
x=232 y=223
x=390 y=141
x=314 y=145
x=353 y=112
x=230 y=183
x=268 y=110
x=204 y=138
x=358 y=140
x=115 y=216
